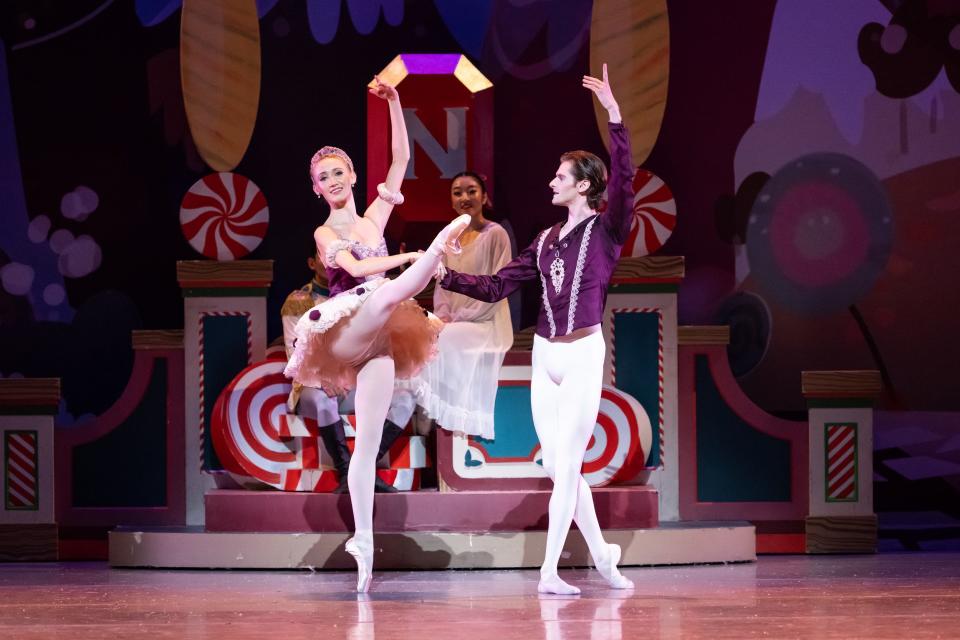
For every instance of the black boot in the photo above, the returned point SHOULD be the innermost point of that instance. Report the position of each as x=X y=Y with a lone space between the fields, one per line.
x=390 y=434
x=335 y=442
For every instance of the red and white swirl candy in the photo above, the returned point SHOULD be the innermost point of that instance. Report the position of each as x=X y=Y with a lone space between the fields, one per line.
x=224 y=216
x=229 y=463
x=275 y=352
x=654 y=215
x=255 y=438
x=621 y=439
x=246 y=430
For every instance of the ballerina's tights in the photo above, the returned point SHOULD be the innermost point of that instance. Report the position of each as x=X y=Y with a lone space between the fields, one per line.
x=375 y=376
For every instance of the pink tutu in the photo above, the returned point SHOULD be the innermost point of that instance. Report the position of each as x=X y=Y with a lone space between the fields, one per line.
x=409 y=336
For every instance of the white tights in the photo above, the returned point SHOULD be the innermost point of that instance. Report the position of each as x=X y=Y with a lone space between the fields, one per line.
x=565 y=388
x=374 y=389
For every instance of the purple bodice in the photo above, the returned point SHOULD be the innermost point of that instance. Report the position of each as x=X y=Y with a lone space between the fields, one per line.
x=339 y=280
x=574 y=272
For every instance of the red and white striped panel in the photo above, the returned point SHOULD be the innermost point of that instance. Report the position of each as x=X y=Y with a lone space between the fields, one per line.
x=350 y=425
x=293 y=426
x=21 y=472
x=324 y=481
x=841 y=453
x=316 y=480
x=401 y=479
x=409 y=452
x=308 y=453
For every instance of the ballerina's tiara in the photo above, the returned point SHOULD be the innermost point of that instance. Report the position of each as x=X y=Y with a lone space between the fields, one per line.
x=328 y=151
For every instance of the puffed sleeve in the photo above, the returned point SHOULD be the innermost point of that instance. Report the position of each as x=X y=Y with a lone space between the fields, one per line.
x=619 y=214
x=336 y=247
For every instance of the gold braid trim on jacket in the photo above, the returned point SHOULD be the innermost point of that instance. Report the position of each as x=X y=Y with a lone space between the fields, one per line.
x=297 y=304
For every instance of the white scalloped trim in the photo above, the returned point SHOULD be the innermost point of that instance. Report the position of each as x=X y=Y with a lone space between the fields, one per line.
x=578 y=275
x=331 y=312
x=451 y=418
x=543 y=284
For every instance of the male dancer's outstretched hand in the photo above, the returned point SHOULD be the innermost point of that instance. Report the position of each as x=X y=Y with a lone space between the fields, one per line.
x=604 y=94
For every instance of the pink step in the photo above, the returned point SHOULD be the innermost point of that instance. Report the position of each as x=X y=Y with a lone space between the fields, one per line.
x=425 y=510
x=325 y=481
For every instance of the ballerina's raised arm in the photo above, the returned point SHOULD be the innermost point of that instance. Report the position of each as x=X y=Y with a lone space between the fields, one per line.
x=389 y=191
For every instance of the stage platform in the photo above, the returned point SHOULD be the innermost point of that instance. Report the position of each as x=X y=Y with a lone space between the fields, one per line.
x=666 y=544
x=425 y=510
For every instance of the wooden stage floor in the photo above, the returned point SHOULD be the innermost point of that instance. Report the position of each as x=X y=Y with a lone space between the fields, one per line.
x=875 y=596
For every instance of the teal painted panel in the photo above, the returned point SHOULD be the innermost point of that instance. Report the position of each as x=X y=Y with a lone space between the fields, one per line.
x=515 y=434
x=735 y=462
x=637 y=344
x=224 y=356
x=128 y=466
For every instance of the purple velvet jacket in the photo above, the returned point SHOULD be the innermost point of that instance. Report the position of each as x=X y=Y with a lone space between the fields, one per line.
x=574 y=271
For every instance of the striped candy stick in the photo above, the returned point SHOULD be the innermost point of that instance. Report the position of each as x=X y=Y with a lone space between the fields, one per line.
x=841 y=454
x=21 y=477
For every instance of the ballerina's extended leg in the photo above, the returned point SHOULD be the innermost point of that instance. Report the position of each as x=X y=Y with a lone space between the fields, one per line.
x=364 y=326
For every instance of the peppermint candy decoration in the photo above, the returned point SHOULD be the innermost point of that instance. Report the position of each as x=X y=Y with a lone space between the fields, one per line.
x=246 y=429
x=275 y=352
x=224 y=216
x=654 y=215
x=230 y=464
x=621 y=440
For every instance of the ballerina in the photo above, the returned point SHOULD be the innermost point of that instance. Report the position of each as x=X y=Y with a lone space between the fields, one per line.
x=369 y=331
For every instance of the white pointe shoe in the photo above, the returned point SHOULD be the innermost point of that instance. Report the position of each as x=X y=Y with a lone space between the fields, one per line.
x=364 y=559
x=608 y=569
x=448 y=240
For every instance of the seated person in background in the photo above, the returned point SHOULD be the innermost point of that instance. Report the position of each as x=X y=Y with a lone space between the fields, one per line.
x=314 y=403
x=458 y=387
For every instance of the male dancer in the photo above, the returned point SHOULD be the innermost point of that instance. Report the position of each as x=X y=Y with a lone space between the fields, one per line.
x=314 y=403
x=573 y=261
